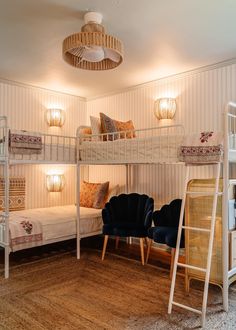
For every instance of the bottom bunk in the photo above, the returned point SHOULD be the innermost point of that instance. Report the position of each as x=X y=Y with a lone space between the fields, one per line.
x=41 y=226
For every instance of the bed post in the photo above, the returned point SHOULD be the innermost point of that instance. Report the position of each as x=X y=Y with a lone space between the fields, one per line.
x=225 y=241
x=78 y=211
x=6 y=202
x=127 y=178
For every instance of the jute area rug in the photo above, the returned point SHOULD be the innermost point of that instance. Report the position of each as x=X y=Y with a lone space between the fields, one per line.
x=60 y=292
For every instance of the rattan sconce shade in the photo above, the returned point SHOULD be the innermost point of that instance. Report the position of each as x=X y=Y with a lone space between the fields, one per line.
x=165 y=108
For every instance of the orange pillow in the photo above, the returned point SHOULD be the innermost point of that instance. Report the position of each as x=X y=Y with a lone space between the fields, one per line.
x=93 y=194
x=125 y=126
x=86 y=130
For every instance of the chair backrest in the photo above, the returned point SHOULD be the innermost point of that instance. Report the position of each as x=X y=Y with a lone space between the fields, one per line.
x=128 y=208
x=168 y=215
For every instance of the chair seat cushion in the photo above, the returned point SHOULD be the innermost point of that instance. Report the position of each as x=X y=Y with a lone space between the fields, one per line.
x=125 y=230
x=151 y=231
x=167 y=235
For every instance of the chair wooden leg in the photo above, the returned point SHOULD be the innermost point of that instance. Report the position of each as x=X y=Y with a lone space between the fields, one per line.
x=104 y=246
x=172 y=261
x=149 y=245
x=142 y=250
x=117 y=242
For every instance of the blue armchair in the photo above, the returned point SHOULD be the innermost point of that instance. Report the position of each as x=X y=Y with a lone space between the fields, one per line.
x=127 y=215
x=166 y=222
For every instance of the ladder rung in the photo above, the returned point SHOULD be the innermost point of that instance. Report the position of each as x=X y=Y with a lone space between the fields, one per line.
x=187 y=307
x=196 y=228
x=191 y=267
x=206 y=193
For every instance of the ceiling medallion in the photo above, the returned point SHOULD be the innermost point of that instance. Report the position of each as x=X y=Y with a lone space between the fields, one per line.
x=92 y=48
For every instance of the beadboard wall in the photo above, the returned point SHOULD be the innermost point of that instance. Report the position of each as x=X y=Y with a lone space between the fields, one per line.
x=25 y=107
x=200 y=95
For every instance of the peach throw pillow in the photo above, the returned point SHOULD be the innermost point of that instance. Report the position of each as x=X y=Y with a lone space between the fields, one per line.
x=125 y=126
x=93 y=195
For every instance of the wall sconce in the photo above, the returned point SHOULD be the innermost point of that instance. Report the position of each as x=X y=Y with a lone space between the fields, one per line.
x=55 y=117
x=55 y=182
x=165 y=108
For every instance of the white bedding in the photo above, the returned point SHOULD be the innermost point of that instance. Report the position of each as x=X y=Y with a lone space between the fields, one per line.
x=60 y=221
x=147 y=150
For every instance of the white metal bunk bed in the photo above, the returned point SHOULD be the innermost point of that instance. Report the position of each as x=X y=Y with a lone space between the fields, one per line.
x=160 y=146
x=57 y=223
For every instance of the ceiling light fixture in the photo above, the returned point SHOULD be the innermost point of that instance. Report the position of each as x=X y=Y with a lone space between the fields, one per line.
x=92 y=48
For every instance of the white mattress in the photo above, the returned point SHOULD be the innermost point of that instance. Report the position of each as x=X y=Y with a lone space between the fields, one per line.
x=138 y=150
x=60 y=221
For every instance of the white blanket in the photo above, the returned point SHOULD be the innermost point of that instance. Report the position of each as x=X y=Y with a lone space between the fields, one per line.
x=206 y=147
x=152 y=149
x=53 y=223
x=24 y=232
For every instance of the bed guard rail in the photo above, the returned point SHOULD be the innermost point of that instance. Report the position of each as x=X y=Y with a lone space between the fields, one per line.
x=35 y=147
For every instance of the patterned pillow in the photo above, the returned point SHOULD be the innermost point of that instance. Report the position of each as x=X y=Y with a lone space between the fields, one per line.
x=125 y=126
x=93 y=194
x=108 y=126
x=96 y=127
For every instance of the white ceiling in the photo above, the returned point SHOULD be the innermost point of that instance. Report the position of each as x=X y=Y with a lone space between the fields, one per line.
x=161 y=37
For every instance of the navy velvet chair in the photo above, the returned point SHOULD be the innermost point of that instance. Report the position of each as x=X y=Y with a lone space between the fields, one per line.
x=127 y=215
x=166 y=222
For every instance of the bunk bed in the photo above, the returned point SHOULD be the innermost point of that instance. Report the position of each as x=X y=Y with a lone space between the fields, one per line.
x=51 y=224
x=157 y=145
x=161 y=145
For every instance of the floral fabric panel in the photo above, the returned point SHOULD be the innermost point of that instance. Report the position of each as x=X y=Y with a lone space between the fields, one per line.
x=23 y=142
x=204 y=148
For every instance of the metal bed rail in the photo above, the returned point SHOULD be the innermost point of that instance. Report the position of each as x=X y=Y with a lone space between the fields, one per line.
x=55 y=148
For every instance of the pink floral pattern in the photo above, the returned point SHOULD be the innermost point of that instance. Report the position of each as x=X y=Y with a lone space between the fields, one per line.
x=205 y=136
x=27 y=226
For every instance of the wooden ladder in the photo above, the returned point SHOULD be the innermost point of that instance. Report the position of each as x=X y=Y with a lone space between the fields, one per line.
x=211 y=232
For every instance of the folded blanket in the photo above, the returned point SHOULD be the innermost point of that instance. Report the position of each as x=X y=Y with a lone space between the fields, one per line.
x=24 y=142
x=24 y=233
x=206 y=147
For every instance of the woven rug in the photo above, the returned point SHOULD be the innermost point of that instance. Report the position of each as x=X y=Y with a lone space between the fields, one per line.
x=60 y=292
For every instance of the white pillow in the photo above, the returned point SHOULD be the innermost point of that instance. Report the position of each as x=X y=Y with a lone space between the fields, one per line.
x=96 y=127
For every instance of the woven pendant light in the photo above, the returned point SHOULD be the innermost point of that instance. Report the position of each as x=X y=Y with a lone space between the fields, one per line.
x=92 y=48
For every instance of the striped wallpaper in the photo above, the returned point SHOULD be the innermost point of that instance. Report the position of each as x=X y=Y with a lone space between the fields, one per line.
x=200 y=96
x=25 y=108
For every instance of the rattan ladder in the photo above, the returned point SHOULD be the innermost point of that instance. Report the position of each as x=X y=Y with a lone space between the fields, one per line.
x=211 y=232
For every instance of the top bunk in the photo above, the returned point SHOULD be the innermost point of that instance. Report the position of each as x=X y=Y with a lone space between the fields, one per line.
x=26 y=147
x=139 y=146
x=158 y=145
